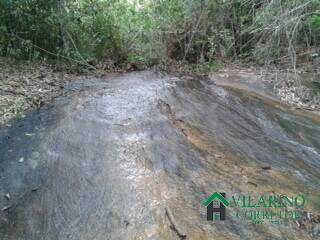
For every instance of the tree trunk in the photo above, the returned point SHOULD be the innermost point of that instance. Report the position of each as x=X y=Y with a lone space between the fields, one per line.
x=236 y=29
x=62 y=29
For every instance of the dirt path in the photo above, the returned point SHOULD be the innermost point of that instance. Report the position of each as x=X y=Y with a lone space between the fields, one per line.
x=134 y=157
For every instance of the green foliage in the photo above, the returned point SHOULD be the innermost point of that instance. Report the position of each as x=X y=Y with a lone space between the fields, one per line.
x=138 y=31
x=315 y=18
x=24 y=23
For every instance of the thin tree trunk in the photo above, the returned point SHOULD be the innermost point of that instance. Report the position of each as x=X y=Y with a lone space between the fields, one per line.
x=62 y=30
x=236 y=29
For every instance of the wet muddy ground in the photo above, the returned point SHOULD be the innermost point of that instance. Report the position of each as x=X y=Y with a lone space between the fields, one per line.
x=134 y=156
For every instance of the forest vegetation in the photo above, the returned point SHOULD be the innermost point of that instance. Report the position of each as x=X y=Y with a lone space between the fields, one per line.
x=147 y=32
x=193 y=36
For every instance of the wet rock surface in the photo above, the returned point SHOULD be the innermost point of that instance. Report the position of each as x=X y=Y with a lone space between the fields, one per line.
x=134 y=156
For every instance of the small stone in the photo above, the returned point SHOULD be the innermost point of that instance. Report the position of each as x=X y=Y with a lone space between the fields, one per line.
x=253 y=184
x=5 y=208
x=126 y=222
x=7 y=196
x=266 y=167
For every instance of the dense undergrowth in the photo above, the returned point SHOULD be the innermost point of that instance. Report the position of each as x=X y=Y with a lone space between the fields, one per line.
x=147 y=32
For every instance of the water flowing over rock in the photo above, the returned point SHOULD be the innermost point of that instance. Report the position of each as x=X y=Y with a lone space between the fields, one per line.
x=134 y=156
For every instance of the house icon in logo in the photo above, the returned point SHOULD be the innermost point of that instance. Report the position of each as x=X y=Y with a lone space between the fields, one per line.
x=216 y=206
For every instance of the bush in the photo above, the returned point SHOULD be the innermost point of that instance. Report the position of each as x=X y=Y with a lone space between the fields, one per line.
x=140 y=32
